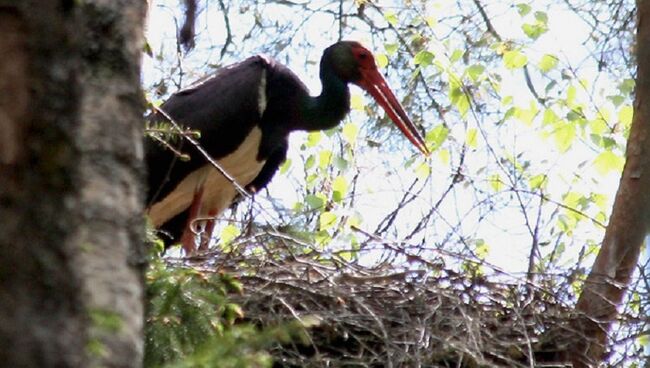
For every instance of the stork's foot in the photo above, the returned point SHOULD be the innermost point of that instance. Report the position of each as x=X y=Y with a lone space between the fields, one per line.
x=206 y=235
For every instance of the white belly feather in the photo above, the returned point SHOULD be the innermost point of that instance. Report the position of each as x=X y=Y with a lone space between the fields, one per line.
x=218 y=192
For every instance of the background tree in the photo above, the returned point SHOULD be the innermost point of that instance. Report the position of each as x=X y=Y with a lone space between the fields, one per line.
x=616 y=262
x=71 y=257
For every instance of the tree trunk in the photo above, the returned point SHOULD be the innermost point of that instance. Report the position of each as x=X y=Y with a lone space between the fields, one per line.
x=619 y=254
x=71 y=259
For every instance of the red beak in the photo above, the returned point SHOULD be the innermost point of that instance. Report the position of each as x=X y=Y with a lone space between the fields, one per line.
x=373 y=82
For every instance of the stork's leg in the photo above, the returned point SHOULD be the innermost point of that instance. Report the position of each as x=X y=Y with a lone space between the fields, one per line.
x=188 y=239
x=207 y=233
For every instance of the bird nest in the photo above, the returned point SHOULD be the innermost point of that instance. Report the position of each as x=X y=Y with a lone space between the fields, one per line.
x=415 y=313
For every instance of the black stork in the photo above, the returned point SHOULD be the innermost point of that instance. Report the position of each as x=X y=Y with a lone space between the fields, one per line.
x=244 y=114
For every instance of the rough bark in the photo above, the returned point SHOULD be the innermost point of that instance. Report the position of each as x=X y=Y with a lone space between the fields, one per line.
x=606 y=285
x=71 y=224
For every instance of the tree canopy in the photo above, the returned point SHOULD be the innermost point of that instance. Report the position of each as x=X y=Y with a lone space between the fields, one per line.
x=527 y=108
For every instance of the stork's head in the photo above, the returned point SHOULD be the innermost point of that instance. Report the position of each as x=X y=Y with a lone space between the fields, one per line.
x=351 y=62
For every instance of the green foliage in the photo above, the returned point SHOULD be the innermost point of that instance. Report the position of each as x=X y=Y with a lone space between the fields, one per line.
x=192 y=323
x=514 y=59
x=458 y=96
x=436 y=137
x=607 y=162
x=523 y=9
x=391 y=18
x=564 y=135
x=229 y=233
x=547 y=63
x=475 y=72
x=423 y=58
x=470 y=138
x=242 y=347
x=327 y=220
x=538 y=27
x=186 y=308
x=538 y=181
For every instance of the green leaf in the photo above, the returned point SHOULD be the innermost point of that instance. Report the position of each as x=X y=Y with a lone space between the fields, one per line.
x=514 y=59
x=538 y=181
x=311 y=180
x=322 y=237
x=228 y=234
x=523 y=9
x=607 y=162
x=347 y=255
x=354 y=220
x=496 y=183
x=286 y=165
x=311 y=160
x=436 y=137
x=459 y=98
x=470 y=138
x=356 y=102
x=625 y=115
x=315 y=201
x=573 y=116
x=391 y=48
x=431 y=21
x=444 y=156
x=510 y=113
x=330 y=132
x=482 y=249
x=550 y=86
x=339 y=188
x=340 y=163
x=601 y=201
x=575 y=200
x=533 y=31
x=541 y=17
x=571 y=94
x=381 y=60
x=564 y=136
x=391 y=17
x=550 y=117
x=232 y=312
x=422 y=171
x=627 y=86
x=456 y=55
x=475 y=71
x=617 y=100
x=327 y=220
x=313 y=138
x=644 y=340
x=527 y=116
x=350 y=132
x=324 y=158
x=547 y=63
x=423 y=58
x=598 y=126
x=608 y=143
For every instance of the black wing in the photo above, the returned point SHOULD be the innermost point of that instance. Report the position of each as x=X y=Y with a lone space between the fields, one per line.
x=223 y=109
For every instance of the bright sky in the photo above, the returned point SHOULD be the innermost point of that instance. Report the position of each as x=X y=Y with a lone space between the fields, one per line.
x=382 y=186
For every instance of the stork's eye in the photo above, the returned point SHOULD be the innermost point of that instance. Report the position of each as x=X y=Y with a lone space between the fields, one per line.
x=364 y=58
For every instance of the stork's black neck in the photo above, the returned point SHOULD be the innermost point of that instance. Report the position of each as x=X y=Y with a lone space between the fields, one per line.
x=330 y=107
